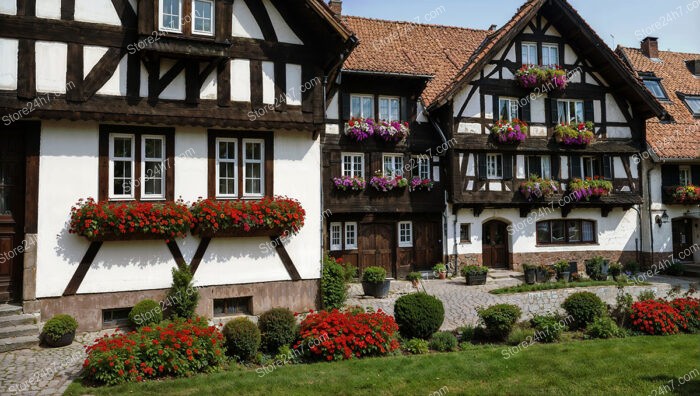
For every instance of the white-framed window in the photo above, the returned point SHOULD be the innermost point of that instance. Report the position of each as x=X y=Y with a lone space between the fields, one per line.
x=591 y=167
x=227 y=168
x=353 y=164
x=170 y=15
x=203 y=17
x=550 y=54
x=570 y=111
x=405 y=234
x=153 y=169
x=253 y=167
x=121 y=165
x=350 y=236
x=393 y=165
x=389 y=108
x=336 y=236
x=362 y=106
x=540 y=165
x=530 y=54
x=507 y=109
x=494 y=166
x=686 y=177
x=422 y=167
x=693 y=103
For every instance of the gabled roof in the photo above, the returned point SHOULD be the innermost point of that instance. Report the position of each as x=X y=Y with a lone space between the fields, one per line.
x=679 y=138
x=405 y=48
x=326 y=13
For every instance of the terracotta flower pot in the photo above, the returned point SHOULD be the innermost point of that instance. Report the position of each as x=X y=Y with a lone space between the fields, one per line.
x=442 y=275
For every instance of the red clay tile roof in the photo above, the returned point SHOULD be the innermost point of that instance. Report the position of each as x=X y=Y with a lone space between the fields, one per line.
x=679 y=139
x=413 y=49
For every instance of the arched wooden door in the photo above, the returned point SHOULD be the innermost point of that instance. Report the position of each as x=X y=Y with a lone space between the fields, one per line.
x=495 y=244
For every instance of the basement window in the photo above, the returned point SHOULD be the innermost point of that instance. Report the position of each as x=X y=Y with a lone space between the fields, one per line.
x=117 y=317
x=233 y=306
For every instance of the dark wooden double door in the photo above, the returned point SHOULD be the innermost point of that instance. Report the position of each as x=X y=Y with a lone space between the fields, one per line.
x=495 y=244
x=683 y=239
x=12 y=201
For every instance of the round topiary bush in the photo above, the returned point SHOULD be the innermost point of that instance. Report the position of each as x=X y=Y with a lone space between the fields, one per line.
x=443 y=342
x=418 y=315
x=498 y=320
x=59 y=326
x=145 y=313
x=584 y=308
x=374 y=275
x=242 y=339
x=278 y=328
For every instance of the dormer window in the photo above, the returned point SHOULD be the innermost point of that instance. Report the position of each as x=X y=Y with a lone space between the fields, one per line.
x=203 y=21
x=171 y=15
x=693 y=103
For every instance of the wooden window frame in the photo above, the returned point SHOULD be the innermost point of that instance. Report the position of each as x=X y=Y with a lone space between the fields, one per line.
x=568 y=110
x=409 y=243
x=689 y=172
x=235 y=162
x=245 y=162
x=510 y=101
x=213 y=19
x=420 y=161
x=550 y=46
x=566 y=232
x=233 y=302
x=537 y=55
x=490 y=176
x=363 y=96
x=181 y=17
x=349 y=246
x=468 y=240
x=393 y=156
x=132 y=159
x=104 y=162
x=353 y=157
x=335 y=247
x=268 y=163
x=163 y=167
x=542 y=159
x=388 y=98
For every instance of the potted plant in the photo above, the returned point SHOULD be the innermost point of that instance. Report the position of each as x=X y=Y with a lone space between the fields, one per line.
x=615 y=270
x=547 y=78
x=594 y=187
x=59 y=331
x=530 y=273
x=509 y=132
x=551 y=274
x=375 y=283
x=360 y=129
x=387 y=183
x=415 y=278
x=596 y=268
x=441 y=270
x=349 y=183
x=418 y=184
x=536 y=188
x=392 y=132
x=542 y=273
x=577 y=135
x=684 y=194
x=475 y=274
x=563 y=272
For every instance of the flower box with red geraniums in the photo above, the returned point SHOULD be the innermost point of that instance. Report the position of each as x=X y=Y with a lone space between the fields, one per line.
x=360 y=129
x=580 y=134
x=657 y=318
x=267 y=217
x=590 y=188
x=684 y=194
x=110 y=221
x=536 y=188
x=418 y=184
x=387 y=183
x=176 y=349
x=543 y=77
x=512 y=132
x=349 y=183
x=339 y=335
x=392 y=132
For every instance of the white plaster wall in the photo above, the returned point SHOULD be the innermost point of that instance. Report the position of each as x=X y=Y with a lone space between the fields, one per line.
x=488 y=107
x=294 y=84
x=332 y=112
x=284 y=33
x=97 y=11
x=240 y=80
x=50 y=9
x=8 y=7
x=116 y=85
x=537 y=112
x=612 y=110
x=569 y=55
x=520 y=166
x=69 y=171
x=209 y=89
x=597 y=111
x=176 y=89
x=8 y=64
x=51 y=66
x=619 y=132
x=473 y=108
x=511 y=54
x=619 y=168
x=244 y=24
x=143 y=87
x=268 y=82
x=91 y=55
x=421 y=117
x=459 y=100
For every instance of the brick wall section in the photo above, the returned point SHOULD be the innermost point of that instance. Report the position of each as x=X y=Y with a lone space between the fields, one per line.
x=518 y=259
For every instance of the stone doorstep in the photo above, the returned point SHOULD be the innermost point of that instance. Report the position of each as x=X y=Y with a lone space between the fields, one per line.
x=14 y=343
x=9 y=309
x=19 y=331
x=18 y=320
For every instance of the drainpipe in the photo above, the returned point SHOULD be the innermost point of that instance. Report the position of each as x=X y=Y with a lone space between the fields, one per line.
x=651 y=220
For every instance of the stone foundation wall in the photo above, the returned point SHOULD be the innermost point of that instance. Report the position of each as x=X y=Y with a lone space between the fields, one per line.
x=87 y=308
x=518 y=259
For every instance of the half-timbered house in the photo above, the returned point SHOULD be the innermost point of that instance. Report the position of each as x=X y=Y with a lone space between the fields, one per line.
x=225 y=96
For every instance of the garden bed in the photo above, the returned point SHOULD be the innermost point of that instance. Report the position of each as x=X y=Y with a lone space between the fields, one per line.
x=560 y=285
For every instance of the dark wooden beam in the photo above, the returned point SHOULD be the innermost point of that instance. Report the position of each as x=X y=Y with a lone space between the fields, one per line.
x=170 y=75
x=102 y=72
x=74 y=73
x=281 y=86
x=192 y=82
x=199 y=254
x=26 y=7
x=133 y=76
x=286 y=260
x=26 y=72
x=177 y=254
x=67 y=10
x=256 y=84
x=262 y=18
x=82 y=269
x=126 y=14
x=223 y=86
x=32 y=129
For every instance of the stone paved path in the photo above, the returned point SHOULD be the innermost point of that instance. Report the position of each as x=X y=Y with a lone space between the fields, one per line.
x=461 y=300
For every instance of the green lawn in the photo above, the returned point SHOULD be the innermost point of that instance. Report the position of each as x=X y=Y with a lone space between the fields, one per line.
x=560 y=285
x=631 y=366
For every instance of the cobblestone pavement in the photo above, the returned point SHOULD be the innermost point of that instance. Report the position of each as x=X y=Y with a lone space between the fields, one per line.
x=461 y=300
x=42 y=371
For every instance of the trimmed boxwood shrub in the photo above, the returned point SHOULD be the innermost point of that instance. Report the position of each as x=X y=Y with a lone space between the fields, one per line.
x=498 y=320
x=443 y=342
x=547 y=328
x=58 y=326
x=333 y=287
x=278 y=328
x=603 y=327
x=418 y=315
x=374 y=275
x=584 y=307
x=146 y=312
x=416 y=346
x=242 y=339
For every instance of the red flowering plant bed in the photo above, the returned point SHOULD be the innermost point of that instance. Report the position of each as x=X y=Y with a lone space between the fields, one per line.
x=339 y=335
x=689 y=308
x=269 y=216
x=657 y=318
x=129 y=220
x=172 y=349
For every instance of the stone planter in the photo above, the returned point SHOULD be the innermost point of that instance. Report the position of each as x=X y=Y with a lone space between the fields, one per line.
x=476 y=279
x=66 y=340
x=376 y=290
x=565 y=276
x=531 y=276
x=542 y=276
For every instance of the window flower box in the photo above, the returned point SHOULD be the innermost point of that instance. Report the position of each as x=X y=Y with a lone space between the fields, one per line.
x=387 y=183
x=360 y=129
x=684 y=194
x=392 y=132
x=267 y=217
x=536 y=188
x=580 y=134
x=590 y=188
x=509 y=132
x=546 y=78
x=114 y=221
x=418 y=184
x=349 y=183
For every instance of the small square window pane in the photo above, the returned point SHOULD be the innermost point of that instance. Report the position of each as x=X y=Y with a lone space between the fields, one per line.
x=543 y=232
x=558 y=232
x=574 y=231
x=253 y=171
x=253 y=151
